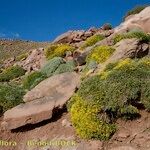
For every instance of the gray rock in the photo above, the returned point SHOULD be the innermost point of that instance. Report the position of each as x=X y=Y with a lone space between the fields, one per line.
x=79 y=57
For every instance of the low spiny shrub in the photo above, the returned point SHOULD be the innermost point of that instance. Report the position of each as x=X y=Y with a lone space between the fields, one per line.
x=132 y=34
x=92 y=40
x=85 y=117
x=69 y=66
x=100 y=54
x=90 y=66
x=11 y=73
x=33 y=79
x=51 y=66
x=57 y=50
x=10 y=96
x=114 y=93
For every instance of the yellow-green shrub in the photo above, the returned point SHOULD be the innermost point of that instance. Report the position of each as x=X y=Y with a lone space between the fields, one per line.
x=92 y=40
x=132 y=34
x=121 y=86
x=11 y=73
x=33 y=79
x=113 y=94
x=86 y=120
x=57 y=50
x=100 y=54
x=69 y=66
x=10 y=96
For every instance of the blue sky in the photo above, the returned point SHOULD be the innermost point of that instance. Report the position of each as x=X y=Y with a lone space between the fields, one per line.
x=43 y=20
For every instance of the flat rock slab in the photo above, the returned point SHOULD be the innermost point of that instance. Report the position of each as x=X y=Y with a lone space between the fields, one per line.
x=44 y=102
x=61 y=85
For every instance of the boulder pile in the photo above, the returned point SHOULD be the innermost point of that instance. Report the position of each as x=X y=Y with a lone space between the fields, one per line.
x=76 y=38
x=34 y=61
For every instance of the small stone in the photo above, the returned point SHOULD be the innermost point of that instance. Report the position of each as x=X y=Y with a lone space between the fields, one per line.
x=66 y=123
x=124 y=134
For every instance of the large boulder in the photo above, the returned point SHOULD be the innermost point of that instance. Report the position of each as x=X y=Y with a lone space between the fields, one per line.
x=70 y=37
x=127 y=48
x=141 y=21
x=64 y=38
x=62 y=84
x=42 y=101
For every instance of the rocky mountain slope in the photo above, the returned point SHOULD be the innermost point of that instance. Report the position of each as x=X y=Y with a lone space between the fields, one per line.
x=87 y=90
x=13 y=47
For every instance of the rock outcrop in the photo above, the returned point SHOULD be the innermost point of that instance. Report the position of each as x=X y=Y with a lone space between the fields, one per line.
x=140 y=21
x=128 y=48
x=34 y=61
x=42 y=101
x=77 y=37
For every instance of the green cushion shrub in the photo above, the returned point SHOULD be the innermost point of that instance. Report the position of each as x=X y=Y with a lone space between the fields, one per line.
x=114 y=93
x=51 y=66
x=69 y=66
x=92 y=40
x=86 y=120
x=135 y=10
x=92 y=65
x=57 y=50
x=33 y=79
x=10 y=96
x=100 y=54
x=132 y=34
x=119 y=87
x=11 y=73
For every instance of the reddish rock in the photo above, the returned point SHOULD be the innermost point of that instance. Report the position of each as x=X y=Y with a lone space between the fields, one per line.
x=49 y=96
x=141 y=21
